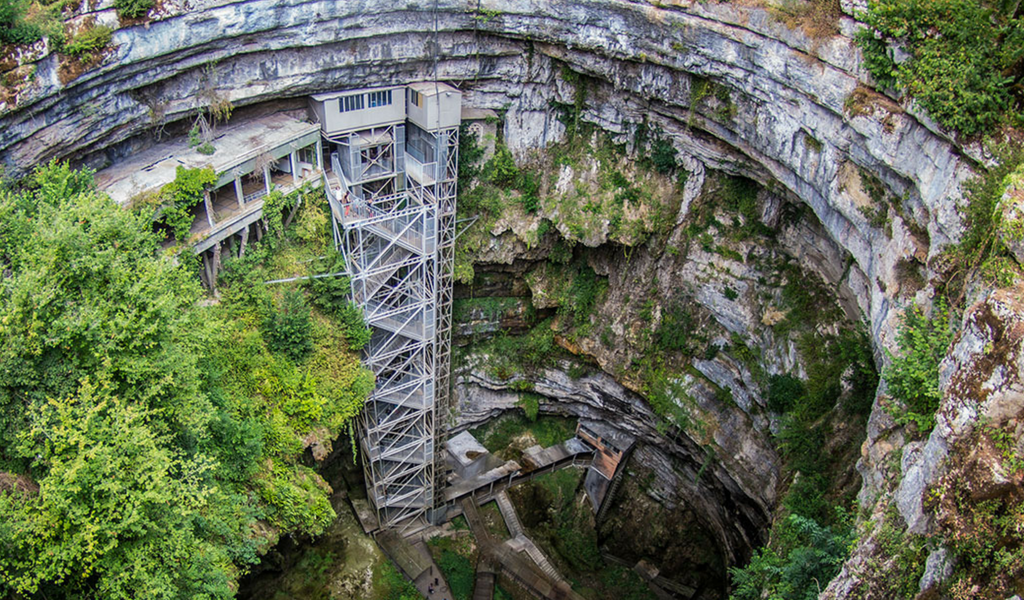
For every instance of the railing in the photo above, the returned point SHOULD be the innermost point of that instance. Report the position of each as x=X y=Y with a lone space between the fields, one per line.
x=251 y=210
x=355 y=209
x=254 y=196
x=372 y=171
x=426 y=174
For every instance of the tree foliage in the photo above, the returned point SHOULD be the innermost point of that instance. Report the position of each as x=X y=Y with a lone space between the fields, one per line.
x=331 y=295
x=913 y=375
x=182 y=194
x=157 y=433
x=289 y=329
x=807 y=558
x=964 y=63
x=501 y=170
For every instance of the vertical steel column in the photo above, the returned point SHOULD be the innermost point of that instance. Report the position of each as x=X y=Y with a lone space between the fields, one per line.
x=399 y=250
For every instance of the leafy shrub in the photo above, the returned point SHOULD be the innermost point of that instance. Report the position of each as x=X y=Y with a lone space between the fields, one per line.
x=13 y=28
x=529 y=190
x=805 y=497
x=195 y=136
x=663 y=156
x=965 y=57
x=913 y=375
x=809 y=555
x=133 y=9
x=292 y=494
x=905 y=555
x=289 y=330
x=669 y=399
x=679 y=330
x=330 y=294
x=982 y=247
x=274 y=205
x=312 y=223
x=571 y=115
x=501 y=170
x=88 y=41
x=739 y=195
x=183 y=193
x=783 y=392
x=458 y=573
x=389 y=584
x=302 y=401
x=155 y=425
x=511 y=354
x=356 y=331
x=569 y=528
x=582 y=295
x=530 y=403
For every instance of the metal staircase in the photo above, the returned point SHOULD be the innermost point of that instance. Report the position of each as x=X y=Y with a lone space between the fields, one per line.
x=399 y=254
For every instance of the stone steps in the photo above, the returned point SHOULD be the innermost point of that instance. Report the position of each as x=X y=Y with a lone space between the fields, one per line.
x=508 y=512
x=521 y=543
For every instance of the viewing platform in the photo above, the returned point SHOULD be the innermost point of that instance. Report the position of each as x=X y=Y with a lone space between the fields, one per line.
x=250 y=159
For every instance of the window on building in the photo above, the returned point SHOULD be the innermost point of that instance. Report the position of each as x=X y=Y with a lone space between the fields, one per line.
x=416 y=98
x=308 y=155
x=375 y=99
x=351 y=103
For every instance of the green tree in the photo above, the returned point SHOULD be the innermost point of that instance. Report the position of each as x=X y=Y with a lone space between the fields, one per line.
x=501 y=170
x=155 y=433
x=913 y=375
x=356 y=331
x=809 y=556
x=289 y=330
x=330 y=293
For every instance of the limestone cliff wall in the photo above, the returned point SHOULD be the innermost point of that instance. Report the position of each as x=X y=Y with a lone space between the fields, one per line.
x=803 y=119
x=785 y=86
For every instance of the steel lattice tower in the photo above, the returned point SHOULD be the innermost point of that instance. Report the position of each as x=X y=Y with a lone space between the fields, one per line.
x=393 y=207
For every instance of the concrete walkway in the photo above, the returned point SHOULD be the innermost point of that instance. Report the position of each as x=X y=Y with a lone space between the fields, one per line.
x=572 y=452
x=519 y=541
x=414 y=560
x=486 y=576
x=513 y=563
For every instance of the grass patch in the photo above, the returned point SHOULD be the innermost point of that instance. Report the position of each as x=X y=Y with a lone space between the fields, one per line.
x=389 y=584
x=499 y=435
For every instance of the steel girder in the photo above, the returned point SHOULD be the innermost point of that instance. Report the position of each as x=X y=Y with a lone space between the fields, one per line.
x=399 y=252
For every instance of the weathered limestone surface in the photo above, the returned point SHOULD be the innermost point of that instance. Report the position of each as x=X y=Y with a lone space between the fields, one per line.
x=730 y=496
x=786 y=89
x=982 y=382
